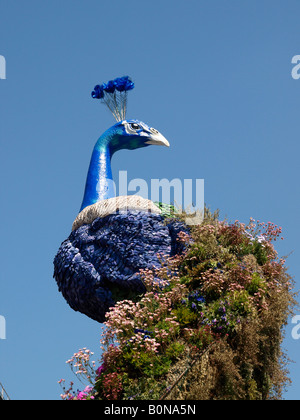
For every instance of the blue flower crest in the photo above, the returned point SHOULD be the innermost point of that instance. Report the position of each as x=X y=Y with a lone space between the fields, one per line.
x=121 y=84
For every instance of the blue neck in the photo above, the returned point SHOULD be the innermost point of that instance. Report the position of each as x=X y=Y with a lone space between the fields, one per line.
x=99 y=183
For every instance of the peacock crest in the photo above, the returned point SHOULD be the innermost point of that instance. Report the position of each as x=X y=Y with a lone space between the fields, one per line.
x=114 y=95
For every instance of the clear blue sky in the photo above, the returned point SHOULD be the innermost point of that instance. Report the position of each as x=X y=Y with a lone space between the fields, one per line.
x=213 y=76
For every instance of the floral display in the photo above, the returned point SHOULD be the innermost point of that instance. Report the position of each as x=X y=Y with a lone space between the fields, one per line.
x=228 y=295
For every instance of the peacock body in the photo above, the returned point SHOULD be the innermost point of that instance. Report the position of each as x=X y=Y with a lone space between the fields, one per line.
x=113 y=237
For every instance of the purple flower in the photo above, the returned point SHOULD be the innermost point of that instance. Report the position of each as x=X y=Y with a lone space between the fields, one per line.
x=100 y=370
x=82 y=395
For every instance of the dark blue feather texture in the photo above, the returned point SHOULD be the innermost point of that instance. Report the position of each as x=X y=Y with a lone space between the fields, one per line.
x=99 y=263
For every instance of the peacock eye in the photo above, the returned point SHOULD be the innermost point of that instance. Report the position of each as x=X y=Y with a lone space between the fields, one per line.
x=135 y=126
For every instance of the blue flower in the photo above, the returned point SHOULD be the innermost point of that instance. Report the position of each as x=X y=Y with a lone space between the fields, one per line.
x=123 y=84
x=145 y=332
x=109 y=87
x=98 y=92
x=201 y=299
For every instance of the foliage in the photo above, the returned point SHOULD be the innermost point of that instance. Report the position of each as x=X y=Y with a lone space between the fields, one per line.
x=228 y=297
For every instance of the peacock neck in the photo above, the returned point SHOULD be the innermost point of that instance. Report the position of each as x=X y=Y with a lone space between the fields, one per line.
x=100 y=185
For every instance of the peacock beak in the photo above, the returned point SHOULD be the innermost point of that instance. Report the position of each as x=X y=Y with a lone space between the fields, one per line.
x=157 y=139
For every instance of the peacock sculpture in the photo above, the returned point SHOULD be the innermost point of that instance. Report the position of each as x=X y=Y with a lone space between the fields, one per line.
x=113 y=237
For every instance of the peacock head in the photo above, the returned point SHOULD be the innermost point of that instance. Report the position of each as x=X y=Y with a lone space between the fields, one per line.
x=126 y=134
x=134 y=134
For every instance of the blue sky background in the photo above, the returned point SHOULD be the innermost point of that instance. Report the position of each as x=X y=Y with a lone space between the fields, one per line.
x=213 y=76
